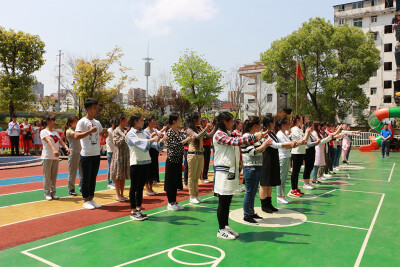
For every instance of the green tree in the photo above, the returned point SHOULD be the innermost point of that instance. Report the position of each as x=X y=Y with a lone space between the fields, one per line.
x=335 y=62
x=21 y=54
x=200 y=82
x=95 y=79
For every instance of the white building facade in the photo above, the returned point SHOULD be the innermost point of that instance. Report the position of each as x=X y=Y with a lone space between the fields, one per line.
x=374 y=16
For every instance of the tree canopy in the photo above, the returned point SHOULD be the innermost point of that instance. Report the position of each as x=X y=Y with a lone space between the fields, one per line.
x=335 y=61
x=200 y=82
x=21 y=54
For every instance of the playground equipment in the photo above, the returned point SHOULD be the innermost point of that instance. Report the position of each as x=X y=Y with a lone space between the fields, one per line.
x=376 y=123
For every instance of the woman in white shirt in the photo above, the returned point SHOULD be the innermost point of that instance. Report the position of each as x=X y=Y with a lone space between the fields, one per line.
x=36 y=136
x=110 y=150
x=50 y=156
x=298 y=153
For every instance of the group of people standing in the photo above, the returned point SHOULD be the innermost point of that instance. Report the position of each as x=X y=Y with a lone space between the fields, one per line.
x=263 y=148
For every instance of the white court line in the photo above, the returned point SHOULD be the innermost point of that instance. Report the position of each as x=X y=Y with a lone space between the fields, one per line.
x=361 y=191
x=26 y=252
x=315 y=196
x=391 y=173
x=353 y=227
x=195 y=205
x=142 y=258
x=364 y=245
x=198 y=254
x=348 y=177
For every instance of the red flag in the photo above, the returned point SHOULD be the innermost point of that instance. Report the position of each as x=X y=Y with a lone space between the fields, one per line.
x=299 y=73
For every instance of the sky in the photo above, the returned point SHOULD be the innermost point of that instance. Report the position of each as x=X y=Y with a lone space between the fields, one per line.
x=228 y=33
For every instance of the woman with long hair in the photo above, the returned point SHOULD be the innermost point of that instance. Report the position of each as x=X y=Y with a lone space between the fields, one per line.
x=150 y=125
x=74 y=157
x=140 y=162
x=26 y=131
x=252 y=161
x=36 y=136
x=173 y=164
x=196 y=155
x=298 y=153
x=227 y=162
x=270 y=175
x=120 y=159
x=309 y=157
x=282 y=126
x=110 y=150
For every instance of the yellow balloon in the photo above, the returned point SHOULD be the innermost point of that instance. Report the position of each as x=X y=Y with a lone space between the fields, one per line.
x=398 y=94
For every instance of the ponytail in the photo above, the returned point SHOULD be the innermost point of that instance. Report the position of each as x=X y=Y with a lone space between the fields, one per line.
x=70 y=120
x=250 y=122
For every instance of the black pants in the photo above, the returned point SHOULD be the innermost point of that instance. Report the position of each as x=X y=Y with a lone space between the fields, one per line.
x=297 y=161
x=309 y=160
x=207 y=156
x=385 y=148
x=90 y=168
x=186 y=167
x=173 y=179
x=329 y=159
x=14 y=145
x=139 y=174
x=224 y=203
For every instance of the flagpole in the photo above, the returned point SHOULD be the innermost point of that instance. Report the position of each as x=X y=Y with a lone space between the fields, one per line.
x=296 y=94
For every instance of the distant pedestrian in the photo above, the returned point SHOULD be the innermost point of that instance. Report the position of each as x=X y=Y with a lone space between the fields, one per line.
x=386 y=135
x=14 y=133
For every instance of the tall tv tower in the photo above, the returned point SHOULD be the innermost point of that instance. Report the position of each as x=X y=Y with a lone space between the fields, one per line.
x=147 y=67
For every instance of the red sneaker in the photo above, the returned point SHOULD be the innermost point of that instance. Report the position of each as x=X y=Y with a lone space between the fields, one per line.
x=301 y=193
x=294 y=193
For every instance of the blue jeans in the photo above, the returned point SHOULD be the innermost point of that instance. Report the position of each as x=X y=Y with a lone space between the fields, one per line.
x=252 y=175
x=109 y=157
x=385 y=145
x=348 y=152
x=337 y=156
x=314 y=172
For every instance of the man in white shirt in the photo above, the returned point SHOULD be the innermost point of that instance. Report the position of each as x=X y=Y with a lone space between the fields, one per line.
x=88 y=130
x=13 y=132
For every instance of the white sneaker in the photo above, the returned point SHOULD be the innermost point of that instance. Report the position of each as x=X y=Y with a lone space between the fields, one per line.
x=308 y=186
x=88 y=205
x=225 y=234
x=322 y=178
x=97 y=206
x=335 y=169
x=48 y=197
x=235 y=234
x=55 y=197
x=243 y=189
x=281 y=200
x=206 y=181
x=287 y=200
x=111 y=187
x=194 y=200
x=172 y=207
x=180 y=207
x=25 y=154
x=327 y=175
x=200 y=200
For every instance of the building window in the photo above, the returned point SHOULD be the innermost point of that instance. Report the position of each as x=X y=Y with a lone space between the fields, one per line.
x=374 y=19
x=357 y=112
x=341 y=22
x=374 y=2
x=269 y=98
x=388 y=48
x=387 y=99
x=251 y=101
x=388 y=3
x=375 y=36
x=358 y=5
x=374 y=74
x=357 y=22
x=387 y=84
x=388 y=29
x=373 y=91
x=387 y=66
x=341 y=8
x=372 y=108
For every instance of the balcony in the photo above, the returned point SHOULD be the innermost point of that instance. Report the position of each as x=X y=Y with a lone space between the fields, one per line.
x=364 y=12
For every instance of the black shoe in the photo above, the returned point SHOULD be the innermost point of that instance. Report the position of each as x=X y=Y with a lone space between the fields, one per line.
x=143 y=214
x=264 y=206
x=250 y=220
x=72 y=193
x=256 y=217
x=137 y=216
x=269 y=205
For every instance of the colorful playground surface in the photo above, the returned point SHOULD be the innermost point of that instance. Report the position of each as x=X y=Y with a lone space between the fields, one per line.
x=351 y=220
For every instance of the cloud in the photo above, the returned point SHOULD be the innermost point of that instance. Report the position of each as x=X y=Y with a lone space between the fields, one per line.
x=156 y=16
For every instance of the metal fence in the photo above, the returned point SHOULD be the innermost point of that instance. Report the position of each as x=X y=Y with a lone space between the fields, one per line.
x=364 y=138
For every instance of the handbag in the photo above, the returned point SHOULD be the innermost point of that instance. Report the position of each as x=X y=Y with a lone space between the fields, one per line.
x=28 y=136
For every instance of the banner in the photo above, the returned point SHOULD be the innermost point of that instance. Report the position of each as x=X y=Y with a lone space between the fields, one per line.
x=5 y=140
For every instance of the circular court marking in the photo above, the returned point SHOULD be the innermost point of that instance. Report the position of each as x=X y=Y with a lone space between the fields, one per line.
x=352 y=167
x=282 y=218
x=210 y=259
